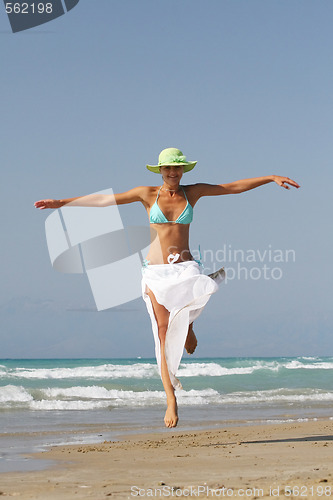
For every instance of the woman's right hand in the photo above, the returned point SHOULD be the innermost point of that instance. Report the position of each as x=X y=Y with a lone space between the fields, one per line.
x=42 y=204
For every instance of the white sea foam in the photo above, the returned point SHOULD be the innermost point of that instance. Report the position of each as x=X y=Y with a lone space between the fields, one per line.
x=96 y=396
x=67 y=405
x=297 y=365
x=12 y=393
x=77 y=398
x=289 y=420
x=149 y=370
x=90 y=397
x=216 y=370
x=279 y=395
x=136 y=370
x=101 y=393
x=308 y=358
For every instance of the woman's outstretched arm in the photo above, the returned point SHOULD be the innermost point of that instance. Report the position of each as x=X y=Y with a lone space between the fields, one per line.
x=97 y=200
x=243 y=185
x=247 y=184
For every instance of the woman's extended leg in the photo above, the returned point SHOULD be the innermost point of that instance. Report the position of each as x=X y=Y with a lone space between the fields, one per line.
x=162 y=319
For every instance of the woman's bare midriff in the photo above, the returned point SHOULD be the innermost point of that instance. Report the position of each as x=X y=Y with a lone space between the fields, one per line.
x=166 y=239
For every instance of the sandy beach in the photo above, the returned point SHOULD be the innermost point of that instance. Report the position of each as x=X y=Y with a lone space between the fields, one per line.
x=258 y=461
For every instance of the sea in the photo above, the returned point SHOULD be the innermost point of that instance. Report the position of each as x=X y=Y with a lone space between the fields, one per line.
x=50 y=402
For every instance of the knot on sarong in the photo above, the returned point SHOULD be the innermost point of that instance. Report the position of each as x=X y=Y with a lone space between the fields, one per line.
x=172 y=258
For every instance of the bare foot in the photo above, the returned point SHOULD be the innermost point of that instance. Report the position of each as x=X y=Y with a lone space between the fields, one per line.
x=218 y=276
x=191 y=341
x=171 y=414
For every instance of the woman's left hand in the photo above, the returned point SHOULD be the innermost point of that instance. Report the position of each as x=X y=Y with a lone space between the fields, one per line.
x=284 y=181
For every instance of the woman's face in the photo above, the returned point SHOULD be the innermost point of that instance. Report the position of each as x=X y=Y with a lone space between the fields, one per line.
x=172 y=174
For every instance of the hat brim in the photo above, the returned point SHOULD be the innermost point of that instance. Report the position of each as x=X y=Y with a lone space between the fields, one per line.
x=187 y=166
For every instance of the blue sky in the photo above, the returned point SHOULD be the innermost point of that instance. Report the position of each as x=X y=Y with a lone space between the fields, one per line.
x=244 y=88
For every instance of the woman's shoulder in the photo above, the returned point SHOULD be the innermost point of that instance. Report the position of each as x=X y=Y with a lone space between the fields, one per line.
x=193 y=189
x=147 y=193
x=145 y=190
x=203 y=189
x=149 y=190
x=192 y=193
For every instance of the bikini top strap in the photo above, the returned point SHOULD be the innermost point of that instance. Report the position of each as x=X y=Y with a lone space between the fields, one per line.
x=158 y=194
x=184 y=193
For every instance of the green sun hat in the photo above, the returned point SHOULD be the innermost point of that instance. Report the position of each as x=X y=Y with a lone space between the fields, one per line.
x=169 y=157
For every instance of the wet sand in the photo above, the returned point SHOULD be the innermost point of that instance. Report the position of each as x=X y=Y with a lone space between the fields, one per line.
x=285 y=460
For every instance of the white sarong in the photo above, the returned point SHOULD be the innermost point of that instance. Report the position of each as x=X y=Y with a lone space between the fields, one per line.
x=184 y=291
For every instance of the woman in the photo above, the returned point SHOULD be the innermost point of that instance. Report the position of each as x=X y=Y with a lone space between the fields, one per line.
x=174 y=289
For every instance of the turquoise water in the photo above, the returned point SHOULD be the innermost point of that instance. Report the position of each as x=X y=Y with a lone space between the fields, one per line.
x=81 y=400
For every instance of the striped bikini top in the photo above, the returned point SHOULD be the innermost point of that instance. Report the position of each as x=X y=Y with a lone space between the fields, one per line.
x=157 y=216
